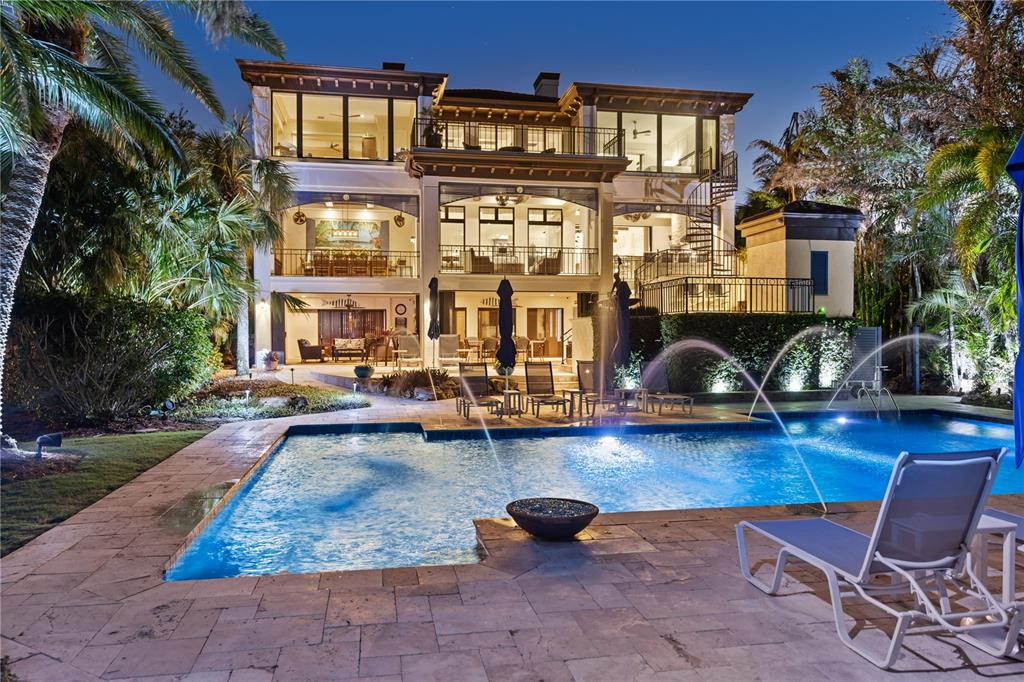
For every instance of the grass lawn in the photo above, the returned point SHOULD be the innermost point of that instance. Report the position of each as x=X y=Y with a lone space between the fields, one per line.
x=30 y=507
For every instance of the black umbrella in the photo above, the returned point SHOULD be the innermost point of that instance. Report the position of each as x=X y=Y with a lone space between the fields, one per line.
x=434 y=330
x=622 y=294
x=506 y=354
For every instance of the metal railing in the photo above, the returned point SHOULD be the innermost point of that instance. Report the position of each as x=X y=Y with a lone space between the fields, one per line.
x=720 y=260
x=518 y=260
x=627 y=267
x=730 y=295
x=345 y=263
x=517 y=137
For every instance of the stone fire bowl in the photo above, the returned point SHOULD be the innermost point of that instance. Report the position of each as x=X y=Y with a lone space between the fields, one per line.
x=552 y=518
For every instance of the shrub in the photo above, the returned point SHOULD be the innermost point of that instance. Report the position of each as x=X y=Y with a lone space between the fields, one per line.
x=437 y=382
x=815 y=361
x=73 y=360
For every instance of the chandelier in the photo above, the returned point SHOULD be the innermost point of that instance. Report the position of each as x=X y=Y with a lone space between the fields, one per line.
x=636 y=217
x=514 y=199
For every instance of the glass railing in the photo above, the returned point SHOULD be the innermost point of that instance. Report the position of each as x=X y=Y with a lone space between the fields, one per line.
x=517 y=137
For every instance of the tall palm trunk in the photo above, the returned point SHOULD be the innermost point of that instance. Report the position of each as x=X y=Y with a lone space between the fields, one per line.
x=21 y=206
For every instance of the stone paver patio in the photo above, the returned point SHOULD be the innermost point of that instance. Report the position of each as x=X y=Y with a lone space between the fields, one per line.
x=641 y=596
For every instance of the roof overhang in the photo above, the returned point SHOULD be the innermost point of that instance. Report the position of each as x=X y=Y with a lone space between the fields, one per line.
x=513 y=165
x=342 y=80
x=658 y=100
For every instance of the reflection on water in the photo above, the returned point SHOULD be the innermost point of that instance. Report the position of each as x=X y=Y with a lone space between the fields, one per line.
x=376 y=500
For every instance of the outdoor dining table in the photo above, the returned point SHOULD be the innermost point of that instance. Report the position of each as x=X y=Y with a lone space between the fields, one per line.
x=637 y=395
x=575 y=395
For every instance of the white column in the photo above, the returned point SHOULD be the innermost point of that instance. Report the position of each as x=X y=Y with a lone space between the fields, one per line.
x=261 y=104
x=261 y=274
x=727 y=132
x=429 y=244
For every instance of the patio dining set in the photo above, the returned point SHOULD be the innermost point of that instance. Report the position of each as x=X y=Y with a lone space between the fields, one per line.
x=476 y=391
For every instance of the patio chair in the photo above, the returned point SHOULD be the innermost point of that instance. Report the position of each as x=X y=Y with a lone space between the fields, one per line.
x=589 y=385
x=480 y=264
x=308 y=351
x=924 y=527
x=655 y=380
x=474 y=389
x=540 y=388
x=448 y=348
x=488 y=347
x=522 y=346
x=410 y=343
x=349 y=348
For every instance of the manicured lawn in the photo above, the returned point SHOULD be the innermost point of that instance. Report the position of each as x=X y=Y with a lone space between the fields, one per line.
x=30 y=507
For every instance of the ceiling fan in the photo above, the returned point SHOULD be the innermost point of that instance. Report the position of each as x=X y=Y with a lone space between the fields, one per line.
x=638 y=133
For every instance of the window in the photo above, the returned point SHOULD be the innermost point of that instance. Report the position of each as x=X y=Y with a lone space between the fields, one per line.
x=709 y=139
x=403 y=114
x=313 y=126
x=367 y=128
x=323 y=127
x=664 y=143
x=497 y=226
x=486 y=322
x=284 y=138
x=679 y=144
x=544 y=227
x=641 y=141
x=453 y=225
x=819 y=272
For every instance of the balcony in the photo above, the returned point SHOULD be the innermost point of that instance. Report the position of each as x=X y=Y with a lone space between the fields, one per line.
x=515 y=150
x=345 y=263
x=688 y=295
x=518 y=260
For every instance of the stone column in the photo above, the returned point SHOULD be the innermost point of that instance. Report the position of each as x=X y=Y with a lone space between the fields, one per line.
x=261 y=275
x=605 y=236
x=727 y=133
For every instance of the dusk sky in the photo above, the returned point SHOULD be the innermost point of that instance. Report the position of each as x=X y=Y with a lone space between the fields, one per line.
x=778 y=51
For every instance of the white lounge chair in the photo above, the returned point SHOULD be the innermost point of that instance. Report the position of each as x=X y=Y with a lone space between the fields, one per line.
x=923 y=531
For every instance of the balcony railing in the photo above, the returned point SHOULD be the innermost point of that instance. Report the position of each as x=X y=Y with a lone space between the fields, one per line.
x=719 y=258
x=518 y=260
x=517 y=137
x=730 y=295
x=345 y=263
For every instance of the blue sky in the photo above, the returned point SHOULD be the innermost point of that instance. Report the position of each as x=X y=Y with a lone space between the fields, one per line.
x=777 y=50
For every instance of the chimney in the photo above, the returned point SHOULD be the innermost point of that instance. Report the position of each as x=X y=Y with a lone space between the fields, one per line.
x=393 y=66
x=546 y=84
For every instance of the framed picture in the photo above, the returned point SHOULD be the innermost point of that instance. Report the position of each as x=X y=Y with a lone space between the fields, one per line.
x=361 y=235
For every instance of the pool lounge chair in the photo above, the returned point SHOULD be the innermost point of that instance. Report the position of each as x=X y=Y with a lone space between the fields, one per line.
x=589 y=382
x=654 y=378
x=474 y=389
x=410 y=343
x=925 y=524
x=448 y=349
x=540 y=388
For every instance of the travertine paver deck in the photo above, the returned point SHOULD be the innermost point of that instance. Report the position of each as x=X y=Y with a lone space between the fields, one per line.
x=642 y=596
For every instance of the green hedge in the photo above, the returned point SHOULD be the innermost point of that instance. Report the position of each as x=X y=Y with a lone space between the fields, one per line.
x=815 y=361
x=74 y=360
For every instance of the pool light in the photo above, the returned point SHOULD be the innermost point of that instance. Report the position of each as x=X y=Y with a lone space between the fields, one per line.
x=841 y=420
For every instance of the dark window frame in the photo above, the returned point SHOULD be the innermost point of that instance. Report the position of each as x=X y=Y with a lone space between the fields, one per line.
x=344 y=108
x=546 y=222
x=446 y=218
x=481 y=221
x=699 y=136
x=820 y=287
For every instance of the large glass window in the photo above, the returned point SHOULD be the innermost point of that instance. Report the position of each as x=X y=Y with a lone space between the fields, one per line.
x=641 y=141
x=367 y=128
x=710 y=139
x=404 y=113
x=497 y=226
x=284 y=137
x=322 y=127
x=544 y=227
x=453 y=225
x=679 y=144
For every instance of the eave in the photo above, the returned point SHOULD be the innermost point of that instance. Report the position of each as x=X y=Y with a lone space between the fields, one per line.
x=513 y=165
x=659 y=100
x=342 y=80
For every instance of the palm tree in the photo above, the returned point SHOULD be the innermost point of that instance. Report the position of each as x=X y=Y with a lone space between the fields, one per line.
x=71 y=59
x=778 y=166
x=261 y=191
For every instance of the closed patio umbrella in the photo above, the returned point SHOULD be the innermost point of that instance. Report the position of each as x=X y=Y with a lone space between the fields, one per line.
x=506 y=354
x=622 y=294
x=1015 y=168
x=434 y=330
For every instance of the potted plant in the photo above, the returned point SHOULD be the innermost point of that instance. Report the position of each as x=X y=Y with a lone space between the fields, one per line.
x=268 y=359
x=433 y=130
x=363 y=371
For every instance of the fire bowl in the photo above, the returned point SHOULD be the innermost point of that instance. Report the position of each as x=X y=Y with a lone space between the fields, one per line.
x=552 y=518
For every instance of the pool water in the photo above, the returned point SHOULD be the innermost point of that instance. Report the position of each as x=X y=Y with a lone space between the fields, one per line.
x=373 y=500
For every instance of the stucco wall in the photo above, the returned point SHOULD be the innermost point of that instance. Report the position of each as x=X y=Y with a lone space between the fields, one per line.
x=839 y=301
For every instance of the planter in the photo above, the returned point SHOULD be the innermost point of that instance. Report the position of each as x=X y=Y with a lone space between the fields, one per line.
x=552 y=518
x=363 y=372
x=270 y=362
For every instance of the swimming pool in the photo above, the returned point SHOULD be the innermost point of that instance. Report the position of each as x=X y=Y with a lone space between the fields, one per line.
x=373 y=500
